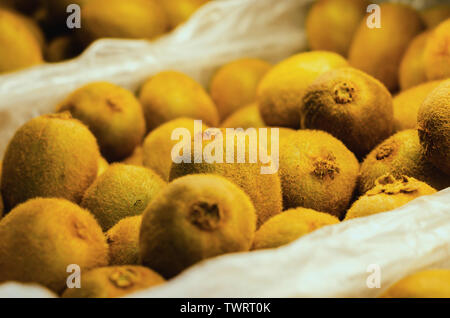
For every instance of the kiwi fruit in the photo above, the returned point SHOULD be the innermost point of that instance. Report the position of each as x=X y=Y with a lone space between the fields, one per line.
x=113 y=115
x=179 y=11
x=121 y=191
x=157 y=148
x=123 y=240
x=331 y=24
x=263 y=189
x=246 y=117
x=407 y=103
x=412 y=66
x=134 y=19
x=434 y=15
x=114 y=281
x=136 y=158
x=400 y=154
x=1 y=199
x=20 y=47
x=432 y=283
x=61 y=48
x=434 y=126
x=49 y=156
x=234 y=85
x=378 y=51
x=280 y=92
x=290 y=225
x=196 y=217
x=352 y=106
x=39 y=239
x=389 y=193
x=437 y=52
x=102 y=166
x=317 y=172
x=169 y=95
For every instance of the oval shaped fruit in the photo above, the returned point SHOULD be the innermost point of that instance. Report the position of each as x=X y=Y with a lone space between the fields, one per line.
x=123 y=241
x=42 y=237
x=195 y=218
x=246 y=117
x=437 y=52
x=412 y=67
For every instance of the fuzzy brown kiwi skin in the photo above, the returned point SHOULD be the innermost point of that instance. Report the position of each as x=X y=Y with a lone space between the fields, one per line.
x=434 y=126
x=352 y=106
x=400 y=154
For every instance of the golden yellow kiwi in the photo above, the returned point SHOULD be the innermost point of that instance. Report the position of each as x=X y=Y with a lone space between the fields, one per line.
x=407 y=103
x=123 y=241
x=112 y=113
x=331 y=24
x=378 y=51
x=412 y=66
x=137 y=19
x=39 y=239
x=237 y=157
x=400 y=154
x=32 y=25
x=435 y=15
x=19 y=46
x=158 y=145
x=179 y=11
x=137 y=158
x=317 y=172
x=437 y=52
x=61 y=48
x=114 y=281
x=49 y=156
x=196 y=217
x=389 y=193
x=351 y=105
x=169 y=95
x=234 y=85
x=102 y=166
x=121 y=191
x=280 y=92
x=434 y=126
x=2 y=207
x=246 y=117
x=290 y=225
x=432 y=283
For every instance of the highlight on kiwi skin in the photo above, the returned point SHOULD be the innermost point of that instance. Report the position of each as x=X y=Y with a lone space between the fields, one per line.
x=352 y=106
x=114 y=281
x=390 y=192
x=290 y=225
x=195 y=218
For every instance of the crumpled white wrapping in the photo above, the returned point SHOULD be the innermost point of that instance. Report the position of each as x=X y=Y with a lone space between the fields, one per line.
x=330 y=262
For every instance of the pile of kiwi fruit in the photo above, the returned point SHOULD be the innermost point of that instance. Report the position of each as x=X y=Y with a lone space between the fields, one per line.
x=363 y=121
x=33 y=32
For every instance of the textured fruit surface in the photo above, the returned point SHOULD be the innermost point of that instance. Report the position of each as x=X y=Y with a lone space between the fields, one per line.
x=121 y=191
x=122 y=19
x=195 y=218
x=246 y=117
x=407 y=104
x=169 y=95
x=123 y=241
x=49 y=156
x=114 y=281
x=434 y=126
x=179 y=11
x=263 y=189
x=412 y=67
x=437 y=52
x=400 y=154
x=435 y=15
x=434 y=283
x=352 y=106
x=290 y=225
x=388 y=194
x=112 y=113
x=331 y=24
x=378 y=51
x=280 y=92
x=234 y=85
x=158 y=145
x=317 y=172
x=19 y=46
x=42 y=237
